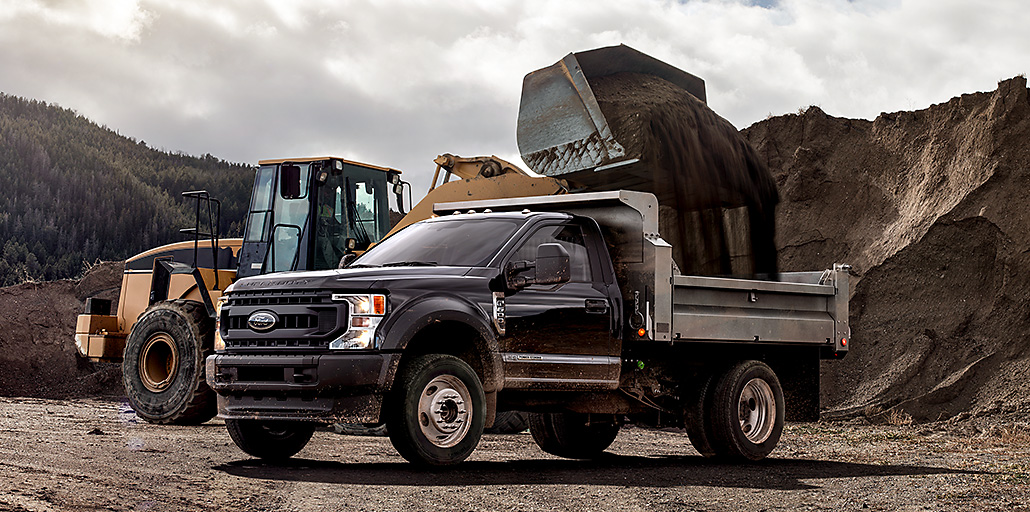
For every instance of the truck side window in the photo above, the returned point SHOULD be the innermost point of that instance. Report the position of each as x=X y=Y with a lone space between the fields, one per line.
x=569 y=236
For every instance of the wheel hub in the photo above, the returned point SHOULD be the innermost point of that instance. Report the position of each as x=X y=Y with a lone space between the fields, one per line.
x=444 y=412
x=158 y=362
x=757 y=410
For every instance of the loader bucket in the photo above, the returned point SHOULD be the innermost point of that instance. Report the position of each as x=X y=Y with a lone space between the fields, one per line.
x=562 y=130
x=616 y=119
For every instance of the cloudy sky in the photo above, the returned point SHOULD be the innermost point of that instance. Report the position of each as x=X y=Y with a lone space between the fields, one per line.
x=397 y=82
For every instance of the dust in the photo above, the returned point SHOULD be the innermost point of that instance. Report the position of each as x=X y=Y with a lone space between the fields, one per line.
x=718 y=197
x=929 y=206
x=38 y=357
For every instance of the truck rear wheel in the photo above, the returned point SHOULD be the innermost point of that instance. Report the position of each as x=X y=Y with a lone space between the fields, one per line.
x=697 y=419
x=271 y=440
x=163 y=367
x=747 y=411
x=436 y=412
x=573 y=435
x=509 y=422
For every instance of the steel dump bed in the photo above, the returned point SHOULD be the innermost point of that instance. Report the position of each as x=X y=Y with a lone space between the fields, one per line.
x=802 y=307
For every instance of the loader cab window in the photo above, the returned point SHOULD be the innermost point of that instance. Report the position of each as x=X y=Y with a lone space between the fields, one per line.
x=289 y=217
x=260 y=203
x=350 y=204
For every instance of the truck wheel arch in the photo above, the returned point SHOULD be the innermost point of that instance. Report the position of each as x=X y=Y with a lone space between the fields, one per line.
x=417 y=324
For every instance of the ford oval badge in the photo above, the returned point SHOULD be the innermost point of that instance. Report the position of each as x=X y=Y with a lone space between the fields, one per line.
x=262 y=320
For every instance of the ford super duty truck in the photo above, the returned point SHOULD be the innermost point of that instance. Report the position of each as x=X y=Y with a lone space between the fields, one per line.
x=568 y=307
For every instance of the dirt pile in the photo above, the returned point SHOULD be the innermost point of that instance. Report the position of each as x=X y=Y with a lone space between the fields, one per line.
x=717 y=195
x=37 y=354
x=929 y=206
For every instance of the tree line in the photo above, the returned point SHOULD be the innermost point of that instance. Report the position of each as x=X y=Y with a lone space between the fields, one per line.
x=73 y=192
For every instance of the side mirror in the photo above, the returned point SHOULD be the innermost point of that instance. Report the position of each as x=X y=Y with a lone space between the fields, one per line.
x=551 y=267
x=347 y=259
x=289 y=181
x=552 y=264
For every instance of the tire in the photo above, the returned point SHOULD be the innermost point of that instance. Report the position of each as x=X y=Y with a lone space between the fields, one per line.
x=436 y=411
x=163 y=366
x=270 y=440
x=697 y=420
x=573 y=435
x=509 y=422
x=747 y=411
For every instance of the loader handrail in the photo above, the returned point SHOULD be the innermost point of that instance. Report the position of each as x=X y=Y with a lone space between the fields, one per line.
x=214 y=223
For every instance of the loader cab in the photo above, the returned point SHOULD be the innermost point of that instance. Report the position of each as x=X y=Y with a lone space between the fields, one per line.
x=306 y=214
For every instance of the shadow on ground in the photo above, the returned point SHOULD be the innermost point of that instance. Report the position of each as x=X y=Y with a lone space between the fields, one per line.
x=610 y=470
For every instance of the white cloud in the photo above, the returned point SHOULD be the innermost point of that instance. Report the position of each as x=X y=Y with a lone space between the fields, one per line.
x=115 y=19
x=396 y=82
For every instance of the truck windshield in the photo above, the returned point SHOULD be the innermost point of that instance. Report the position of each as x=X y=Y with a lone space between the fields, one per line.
x=446 y=242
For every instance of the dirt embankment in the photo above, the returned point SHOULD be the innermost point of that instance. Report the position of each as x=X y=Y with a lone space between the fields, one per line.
x=37 y=353
x=930 y=208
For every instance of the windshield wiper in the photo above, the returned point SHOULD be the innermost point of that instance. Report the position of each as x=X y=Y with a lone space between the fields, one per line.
x=362 y=265
x=410 y=264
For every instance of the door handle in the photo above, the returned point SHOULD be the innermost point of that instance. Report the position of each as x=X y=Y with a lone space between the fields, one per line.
x=596 y=306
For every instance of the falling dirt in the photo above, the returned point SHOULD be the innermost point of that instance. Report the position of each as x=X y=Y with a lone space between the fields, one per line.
x=718 y=197
x=37 y=354
x=929 y=207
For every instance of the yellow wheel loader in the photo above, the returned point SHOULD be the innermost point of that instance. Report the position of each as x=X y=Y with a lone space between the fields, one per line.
x=305 y=214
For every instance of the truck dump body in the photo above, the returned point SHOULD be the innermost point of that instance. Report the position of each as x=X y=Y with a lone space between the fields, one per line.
x=717 y=309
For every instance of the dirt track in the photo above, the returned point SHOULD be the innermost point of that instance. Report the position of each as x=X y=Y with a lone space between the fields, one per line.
x=96 y=455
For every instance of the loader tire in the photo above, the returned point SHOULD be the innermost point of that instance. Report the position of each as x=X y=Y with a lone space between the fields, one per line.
x=573 y=435
x=163 y=368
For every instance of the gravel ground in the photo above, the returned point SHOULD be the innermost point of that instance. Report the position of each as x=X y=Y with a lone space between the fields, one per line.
x=97 y=455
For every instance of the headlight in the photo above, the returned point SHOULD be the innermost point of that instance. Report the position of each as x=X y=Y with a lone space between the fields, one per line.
x=219 y=342
x=365 y=313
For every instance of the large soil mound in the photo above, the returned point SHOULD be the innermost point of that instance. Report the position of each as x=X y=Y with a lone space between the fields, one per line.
x=37 y=352
x=930 y=208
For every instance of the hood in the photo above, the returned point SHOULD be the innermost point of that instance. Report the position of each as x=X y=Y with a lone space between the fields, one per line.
x=349 y=278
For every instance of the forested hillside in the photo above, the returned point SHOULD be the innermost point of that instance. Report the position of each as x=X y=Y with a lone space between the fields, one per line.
x=72 y=192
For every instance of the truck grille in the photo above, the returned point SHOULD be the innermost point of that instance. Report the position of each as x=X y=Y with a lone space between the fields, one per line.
x=313 y=343
x=306 y=320
x=324 y=321
x=276 y=298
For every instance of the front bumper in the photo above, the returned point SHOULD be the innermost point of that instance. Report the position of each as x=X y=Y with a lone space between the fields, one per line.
x=328 y=388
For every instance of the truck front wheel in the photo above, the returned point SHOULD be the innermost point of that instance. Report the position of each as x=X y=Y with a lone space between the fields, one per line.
x=747 y=411
x=573 y=435
x=271 y=440
x=163 y=367
x=436 y=412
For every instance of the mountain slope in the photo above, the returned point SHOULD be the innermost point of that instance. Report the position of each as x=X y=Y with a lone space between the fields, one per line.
x=73 y=192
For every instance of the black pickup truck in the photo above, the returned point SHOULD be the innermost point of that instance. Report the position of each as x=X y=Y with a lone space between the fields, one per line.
x=562 y=306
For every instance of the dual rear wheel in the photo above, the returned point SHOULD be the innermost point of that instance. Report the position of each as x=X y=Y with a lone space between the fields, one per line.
x=738 y=413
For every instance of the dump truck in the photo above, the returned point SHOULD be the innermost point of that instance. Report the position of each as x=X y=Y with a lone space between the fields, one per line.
x=572 y=306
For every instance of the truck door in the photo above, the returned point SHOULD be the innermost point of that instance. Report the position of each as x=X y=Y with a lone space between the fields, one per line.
x=560 y=336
